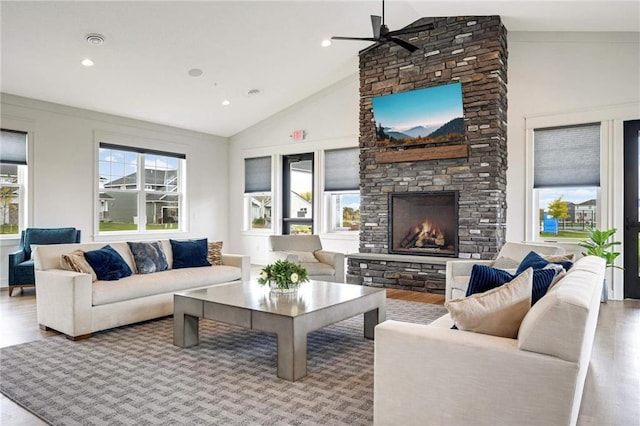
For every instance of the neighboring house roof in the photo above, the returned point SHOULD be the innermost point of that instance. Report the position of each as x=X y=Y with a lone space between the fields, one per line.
x=152 y=177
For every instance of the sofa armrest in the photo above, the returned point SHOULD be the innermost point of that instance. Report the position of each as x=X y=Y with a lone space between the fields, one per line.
x=64 y=301
x=434 y=375
x=459 y=268
x=334 y=259
x=240 y=261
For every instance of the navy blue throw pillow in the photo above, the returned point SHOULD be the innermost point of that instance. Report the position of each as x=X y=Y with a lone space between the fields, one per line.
x=484 y=278
x=189 y=254
x=535 y=261
x=107 y=263
x=542 y=279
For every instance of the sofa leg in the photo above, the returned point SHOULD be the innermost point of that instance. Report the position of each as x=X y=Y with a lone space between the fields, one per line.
x=81 y=337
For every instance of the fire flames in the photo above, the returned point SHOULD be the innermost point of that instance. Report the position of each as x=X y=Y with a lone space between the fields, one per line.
x=425 y=235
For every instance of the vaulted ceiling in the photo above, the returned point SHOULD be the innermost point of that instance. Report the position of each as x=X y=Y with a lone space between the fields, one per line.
x=142 y=68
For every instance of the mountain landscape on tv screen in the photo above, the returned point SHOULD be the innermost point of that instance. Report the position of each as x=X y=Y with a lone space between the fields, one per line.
x=453 y=130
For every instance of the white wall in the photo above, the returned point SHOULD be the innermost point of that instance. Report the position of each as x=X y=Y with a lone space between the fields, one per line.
x=62 y=164
x=580 y=77
x=330 y=120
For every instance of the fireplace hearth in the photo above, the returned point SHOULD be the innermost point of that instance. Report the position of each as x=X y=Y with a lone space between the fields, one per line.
x=424 y=223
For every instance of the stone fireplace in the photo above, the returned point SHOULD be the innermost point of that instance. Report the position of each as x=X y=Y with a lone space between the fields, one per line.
x=423 y=223
x=470 y=50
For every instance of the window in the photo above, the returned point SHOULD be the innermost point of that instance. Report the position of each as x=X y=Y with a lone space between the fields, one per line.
x=13 y=177
x=341 y=185
x=297 y=190
x=140 y=190
x=257 y=190
x=566 y=180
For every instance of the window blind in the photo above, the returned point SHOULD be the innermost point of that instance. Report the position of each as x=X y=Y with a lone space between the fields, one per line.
x=342 y=169
x=567 y=156
x=142 y=150
x=13 y=147
x=257 y=174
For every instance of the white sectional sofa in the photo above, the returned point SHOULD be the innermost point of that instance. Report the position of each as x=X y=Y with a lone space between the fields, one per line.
x=69 y=302
x=433 y=375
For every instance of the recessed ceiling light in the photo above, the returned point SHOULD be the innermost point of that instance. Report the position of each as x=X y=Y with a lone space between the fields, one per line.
x=195 y=72
x=326 y=43
x=226 y=102
x=87 y=62
x=95 y=39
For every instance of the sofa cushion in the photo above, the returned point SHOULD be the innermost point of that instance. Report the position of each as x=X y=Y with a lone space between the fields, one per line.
x=75 y=261
x=558 y=323
x=214 y=252
x=48 y=236
x=536 y=261
x=149 y=256
x=190 y=253
x=107 y=264
x=172 y=280
x=497 y=312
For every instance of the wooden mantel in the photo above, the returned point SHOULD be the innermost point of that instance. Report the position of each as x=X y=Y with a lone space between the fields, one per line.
x=423 y=154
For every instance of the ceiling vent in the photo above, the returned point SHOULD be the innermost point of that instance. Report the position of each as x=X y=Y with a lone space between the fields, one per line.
x=95 y=39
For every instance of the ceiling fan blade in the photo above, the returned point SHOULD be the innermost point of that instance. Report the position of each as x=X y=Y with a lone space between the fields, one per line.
x=410 y=47
x=354 y=38
x=376 y=22
x=416 y=29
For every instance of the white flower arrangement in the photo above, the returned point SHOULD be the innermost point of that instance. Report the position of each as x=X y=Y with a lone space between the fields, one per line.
x=283 y=275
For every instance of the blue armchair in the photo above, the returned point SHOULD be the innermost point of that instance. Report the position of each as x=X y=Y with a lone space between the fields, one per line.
x=21 y=272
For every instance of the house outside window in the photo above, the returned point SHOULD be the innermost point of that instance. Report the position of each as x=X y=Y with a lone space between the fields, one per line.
x=566 y=181
x=140 y=190
x=13 y=179
x=257 y=193
x=342 y=189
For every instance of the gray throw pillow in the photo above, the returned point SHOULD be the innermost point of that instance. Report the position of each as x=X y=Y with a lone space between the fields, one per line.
x=149 y=257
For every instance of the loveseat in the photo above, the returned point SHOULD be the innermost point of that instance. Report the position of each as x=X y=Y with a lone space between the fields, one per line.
x=74 y=304
x=435 y=375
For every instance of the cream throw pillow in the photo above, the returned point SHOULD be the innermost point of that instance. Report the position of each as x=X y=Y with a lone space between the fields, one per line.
x=303 y=256
x=76 y=262
x=497 y=312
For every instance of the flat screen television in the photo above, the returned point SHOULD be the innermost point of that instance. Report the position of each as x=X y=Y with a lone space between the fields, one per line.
x=430 y=115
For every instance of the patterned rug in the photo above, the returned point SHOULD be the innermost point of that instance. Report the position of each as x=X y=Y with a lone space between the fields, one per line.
x=134 y=375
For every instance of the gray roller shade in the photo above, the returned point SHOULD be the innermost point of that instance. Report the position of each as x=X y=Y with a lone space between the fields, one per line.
x=13 y=147
x=342 y=169
x=257 y=174
x=567 y=156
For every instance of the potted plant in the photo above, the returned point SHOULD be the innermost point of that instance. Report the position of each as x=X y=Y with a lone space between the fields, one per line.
x=599 y=244
x=283 y=276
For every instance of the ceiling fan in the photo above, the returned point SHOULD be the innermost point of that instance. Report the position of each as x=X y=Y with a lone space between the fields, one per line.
x=381 y=33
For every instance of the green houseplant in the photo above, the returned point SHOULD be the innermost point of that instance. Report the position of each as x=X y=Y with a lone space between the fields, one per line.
x=283 y=276
x=600 y=244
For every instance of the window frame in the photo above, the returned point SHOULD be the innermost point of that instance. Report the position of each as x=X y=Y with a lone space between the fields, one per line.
x=532 y=225
x=24 y=173
x=141 y=190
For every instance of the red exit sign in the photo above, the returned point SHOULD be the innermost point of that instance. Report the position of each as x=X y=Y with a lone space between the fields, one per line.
x=297 y=135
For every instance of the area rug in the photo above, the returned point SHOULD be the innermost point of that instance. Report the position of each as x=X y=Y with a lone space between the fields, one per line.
x=134 y=375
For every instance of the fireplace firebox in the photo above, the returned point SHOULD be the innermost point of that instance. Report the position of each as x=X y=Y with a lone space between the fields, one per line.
x=423 y=223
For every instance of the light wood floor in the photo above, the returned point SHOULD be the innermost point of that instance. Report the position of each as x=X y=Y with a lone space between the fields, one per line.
x=612 y=389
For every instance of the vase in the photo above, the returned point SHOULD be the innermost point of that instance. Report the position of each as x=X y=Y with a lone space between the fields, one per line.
x=290 y=288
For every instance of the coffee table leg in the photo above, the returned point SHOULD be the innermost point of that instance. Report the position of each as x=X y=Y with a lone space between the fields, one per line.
x=185 y=330
x=292 y=353
x=371 y=319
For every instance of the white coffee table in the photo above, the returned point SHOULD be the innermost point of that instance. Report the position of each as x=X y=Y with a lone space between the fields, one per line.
x=291 y=317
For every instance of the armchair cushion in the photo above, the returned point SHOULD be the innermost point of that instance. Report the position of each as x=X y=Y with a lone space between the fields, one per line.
x=48 y=236
x=303 y=256
x=318 y=269
x=23 y=272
